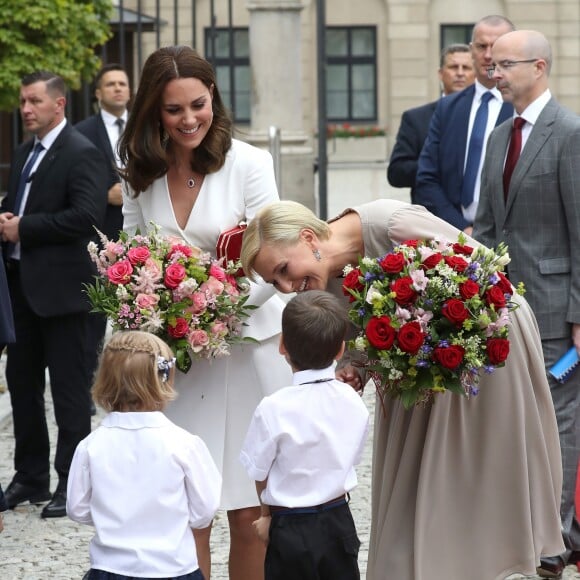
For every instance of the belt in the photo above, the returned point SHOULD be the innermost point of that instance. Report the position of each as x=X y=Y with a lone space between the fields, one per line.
x=278 y=510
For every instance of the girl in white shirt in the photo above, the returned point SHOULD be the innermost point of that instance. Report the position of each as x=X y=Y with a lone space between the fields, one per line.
x=143 y=482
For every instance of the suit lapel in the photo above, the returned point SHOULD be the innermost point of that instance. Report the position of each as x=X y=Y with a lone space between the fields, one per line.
x=538 y=137
x=104 y=138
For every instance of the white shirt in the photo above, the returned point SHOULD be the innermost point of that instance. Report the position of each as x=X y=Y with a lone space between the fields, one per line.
x=47 y=142
x=306 y=439
x=494 y=106
x=113 y=131
x=143 y=483
x=531 y=113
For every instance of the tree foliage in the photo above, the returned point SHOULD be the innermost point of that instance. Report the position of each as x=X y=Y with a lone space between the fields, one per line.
x=55 y=35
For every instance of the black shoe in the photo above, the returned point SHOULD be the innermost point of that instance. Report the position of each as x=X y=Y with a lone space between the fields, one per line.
x=551 y=568
x=56 y=507
x=17 y=493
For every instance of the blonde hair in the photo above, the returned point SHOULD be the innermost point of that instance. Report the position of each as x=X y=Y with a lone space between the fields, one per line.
x=129 y=377
x=279 y=223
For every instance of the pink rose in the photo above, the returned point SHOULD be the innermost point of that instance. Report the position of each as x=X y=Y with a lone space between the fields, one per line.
x=120 y=273
x=181 y=249
x=147 y=301
x=217 y=272
x=174 y=275
x=198 y=339
x=138 y=255
x=219 y=329
x=199 y=302
x=212 y=286
x=152 y=268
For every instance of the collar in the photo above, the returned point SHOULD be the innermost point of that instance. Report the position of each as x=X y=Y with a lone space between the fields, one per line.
x=531 y=113
x=51 y=136
x=312 y=375
x=135 y=420
x=109 y=119
x=480 y=89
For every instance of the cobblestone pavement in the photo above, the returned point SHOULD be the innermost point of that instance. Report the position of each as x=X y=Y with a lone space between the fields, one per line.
x=35 y=549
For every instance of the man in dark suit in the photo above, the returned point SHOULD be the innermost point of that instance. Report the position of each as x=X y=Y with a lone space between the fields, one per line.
x=535 y=210
x=455 y=73
x=56 y=195
x=443 y=160
x=104 y=129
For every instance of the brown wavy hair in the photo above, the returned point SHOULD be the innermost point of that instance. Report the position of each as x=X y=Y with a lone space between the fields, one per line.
x=141 y=146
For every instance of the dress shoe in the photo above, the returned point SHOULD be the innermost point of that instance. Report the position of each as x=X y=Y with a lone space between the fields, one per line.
x=20 y=492
x=56 y=507
x=551 y=568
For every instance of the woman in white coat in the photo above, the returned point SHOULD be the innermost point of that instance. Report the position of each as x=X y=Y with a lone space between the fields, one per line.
x=185 y=172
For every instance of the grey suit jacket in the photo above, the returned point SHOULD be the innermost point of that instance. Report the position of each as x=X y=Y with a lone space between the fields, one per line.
x=540 y=222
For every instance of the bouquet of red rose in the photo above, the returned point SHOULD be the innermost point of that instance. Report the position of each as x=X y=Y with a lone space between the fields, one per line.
x=432 y=314
x=174 y=290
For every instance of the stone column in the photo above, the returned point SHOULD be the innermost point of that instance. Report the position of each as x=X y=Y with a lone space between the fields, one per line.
x=277 y=92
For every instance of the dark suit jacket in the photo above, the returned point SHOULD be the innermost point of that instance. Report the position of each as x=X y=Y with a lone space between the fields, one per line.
x=441 y=163
x=540 y=222
x=402 y=168
x=94 y=129
x=67 y=199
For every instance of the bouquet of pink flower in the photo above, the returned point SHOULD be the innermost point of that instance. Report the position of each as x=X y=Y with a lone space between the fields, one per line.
x=433 y=314
x=169 y=288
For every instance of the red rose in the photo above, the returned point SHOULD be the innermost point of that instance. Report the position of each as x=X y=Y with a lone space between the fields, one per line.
x=432 y=261
x=504 y=284
x=174 y=275
x=120 y=273
x=402 y=287
x=182 y=249
x=138 y=255
x=179 y=329
x=458 y=263
x=497 y=349
x=380 y=333
x=454 y=310
x=393 y=263
x=495 y=297
x=468 y=289
x=352 y=282
x=449 y=357
x=465 y=250
x=410 y=243
x=410 y=337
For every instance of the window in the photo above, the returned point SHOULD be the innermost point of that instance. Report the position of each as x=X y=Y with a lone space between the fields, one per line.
x=229 y=52
x=351 y=73
x=455 y=33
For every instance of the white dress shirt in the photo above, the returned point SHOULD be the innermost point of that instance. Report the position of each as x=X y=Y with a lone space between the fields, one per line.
x=531 y=113
x=143 y=483
x=110 y=122
x=306 y=439
x=494 y=106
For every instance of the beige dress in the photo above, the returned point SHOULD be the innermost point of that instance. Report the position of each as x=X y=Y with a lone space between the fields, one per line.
x=464 y=489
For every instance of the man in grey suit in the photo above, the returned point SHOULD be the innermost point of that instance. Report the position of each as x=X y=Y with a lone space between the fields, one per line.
x=536 y=213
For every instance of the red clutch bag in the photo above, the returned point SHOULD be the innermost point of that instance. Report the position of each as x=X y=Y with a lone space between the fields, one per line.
x=229 y=245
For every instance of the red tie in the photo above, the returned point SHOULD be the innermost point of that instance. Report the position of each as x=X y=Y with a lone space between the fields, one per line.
x=513 y=154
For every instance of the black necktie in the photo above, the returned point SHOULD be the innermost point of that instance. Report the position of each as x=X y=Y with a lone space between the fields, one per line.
x=474 y=151
x=120 y=124
x=25 y=175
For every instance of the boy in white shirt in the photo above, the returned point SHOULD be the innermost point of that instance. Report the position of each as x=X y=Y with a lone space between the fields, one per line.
x=142 y=482
x=301 y=448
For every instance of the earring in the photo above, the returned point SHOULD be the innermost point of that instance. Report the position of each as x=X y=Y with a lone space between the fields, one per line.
x=317 y=254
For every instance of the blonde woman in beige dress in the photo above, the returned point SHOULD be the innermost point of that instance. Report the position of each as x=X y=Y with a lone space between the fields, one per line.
x=465 y=489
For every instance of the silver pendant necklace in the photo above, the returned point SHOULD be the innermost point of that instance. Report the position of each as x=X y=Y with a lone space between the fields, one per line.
x=190 y=183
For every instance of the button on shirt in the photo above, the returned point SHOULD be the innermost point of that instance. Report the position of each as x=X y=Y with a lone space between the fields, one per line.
x=494 y=107
x=306 y=439
x=143 y=483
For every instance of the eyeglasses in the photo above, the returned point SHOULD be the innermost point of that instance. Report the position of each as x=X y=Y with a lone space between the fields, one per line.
x=506 y=65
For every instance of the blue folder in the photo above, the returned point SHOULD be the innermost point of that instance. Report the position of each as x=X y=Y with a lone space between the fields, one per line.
x=562 y=369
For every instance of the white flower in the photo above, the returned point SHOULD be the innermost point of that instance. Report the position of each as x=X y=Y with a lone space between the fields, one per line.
x=347 y=270
x=373 y=295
